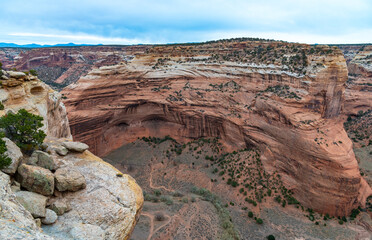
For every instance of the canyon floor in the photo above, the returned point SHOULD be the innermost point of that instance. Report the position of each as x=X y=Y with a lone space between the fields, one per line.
x=189 y=196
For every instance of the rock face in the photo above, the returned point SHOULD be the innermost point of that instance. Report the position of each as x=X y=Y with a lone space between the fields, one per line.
x=16 y=222
x=291 y=114
x=36 y=179
x=37 y=98
x=358 y=94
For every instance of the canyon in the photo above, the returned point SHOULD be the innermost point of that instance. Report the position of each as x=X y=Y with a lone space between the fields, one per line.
x=286 y=101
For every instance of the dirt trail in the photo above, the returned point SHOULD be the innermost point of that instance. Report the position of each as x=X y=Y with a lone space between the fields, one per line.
x=158 y=187
x=152 y=219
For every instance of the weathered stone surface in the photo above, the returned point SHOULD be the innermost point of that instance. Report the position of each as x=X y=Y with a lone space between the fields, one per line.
x=61 y=150
x=69 y=179
x=37 y=98
x=75 y=146
x=41 y=159
x=237 y=102
x=15 y=154
x=60 y=206
x=16 y=187
x=50 y=217
x=32 y=202
x=36 y=179
x=17 y=75
x=108 y=207
x=15 y=221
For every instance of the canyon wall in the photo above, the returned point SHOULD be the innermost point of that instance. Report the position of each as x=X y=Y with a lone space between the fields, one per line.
x=286 y=99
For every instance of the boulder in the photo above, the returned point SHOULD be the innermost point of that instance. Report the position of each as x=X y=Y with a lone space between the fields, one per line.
x=75 y=146
x=42 y=159
x=15 y=154
x=36 y=179
x=50 y=217
x=61 y=150
x=32 y=202
x=69 y=179
x=16 y=187
x=16 y=75
x=60 y=206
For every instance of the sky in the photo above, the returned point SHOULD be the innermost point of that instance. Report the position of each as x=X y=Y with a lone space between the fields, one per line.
x=165 y=21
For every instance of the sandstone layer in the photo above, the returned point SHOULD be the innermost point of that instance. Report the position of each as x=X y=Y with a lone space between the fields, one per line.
x=285 y=99
x=358 y=94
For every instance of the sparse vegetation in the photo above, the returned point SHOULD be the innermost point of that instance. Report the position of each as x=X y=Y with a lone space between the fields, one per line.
x=4 y=159
x=23 y=128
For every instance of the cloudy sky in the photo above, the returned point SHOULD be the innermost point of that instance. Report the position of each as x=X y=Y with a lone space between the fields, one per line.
x=166 y=21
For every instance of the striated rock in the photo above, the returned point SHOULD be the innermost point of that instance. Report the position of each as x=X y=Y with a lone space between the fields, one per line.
x=69 y=179
x=75 y=146
x=36 y=179
x=32 y=202
x=15 y=154
x=15 y=221
x=50 y=217
x=105 y=209
x=294 y=118
x=41 y=159
x=60 y=206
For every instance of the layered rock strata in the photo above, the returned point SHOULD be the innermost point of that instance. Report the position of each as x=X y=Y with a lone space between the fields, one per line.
x=288 y=106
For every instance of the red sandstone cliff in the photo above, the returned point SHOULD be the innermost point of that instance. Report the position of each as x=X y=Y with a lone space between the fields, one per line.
x=289 y=110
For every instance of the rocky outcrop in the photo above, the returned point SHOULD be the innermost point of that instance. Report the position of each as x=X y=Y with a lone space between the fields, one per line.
x=38 y=98
x=16 y=222
x=291 y=113
x=95 y=202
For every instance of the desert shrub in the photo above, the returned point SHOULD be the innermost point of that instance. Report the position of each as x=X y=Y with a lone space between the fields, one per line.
x=177 y=194
x=157 y=192
x=270 y=237
x=259 y=221
x=169 y=201
x=159 y=217
x=4 y=159
x=185 y=200
x=23 y=128
x=33 y=72
x=250 y=214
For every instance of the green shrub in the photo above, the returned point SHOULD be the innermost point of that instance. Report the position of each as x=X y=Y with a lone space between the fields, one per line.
x=259 y=221
x=23 y=128
x=157 y=192
x=4 y=159
x=33 y=72
x=1 y=106
x=270 y=237
x=250 y=214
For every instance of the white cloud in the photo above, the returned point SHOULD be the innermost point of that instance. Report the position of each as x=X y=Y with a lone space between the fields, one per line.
x=77 y=38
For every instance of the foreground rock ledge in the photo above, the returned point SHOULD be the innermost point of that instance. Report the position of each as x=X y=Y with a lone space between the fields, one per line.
x=109 y=205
